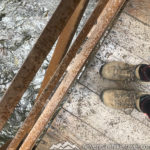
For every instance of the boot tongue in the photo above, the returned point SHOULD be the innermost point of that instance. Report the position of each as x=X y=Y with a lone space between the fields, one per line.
x=144 y=72
x=145 y=104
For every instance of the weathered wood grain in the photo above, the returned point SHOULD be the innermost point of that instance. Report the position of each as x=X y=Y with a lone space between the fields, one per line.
x=111 y=51
x=97 y=84
x=132 y=35
x=51 y=137
x=128 y=41
x=69 y=128
x=113 y=123
x=78 y=130
x=139 y=9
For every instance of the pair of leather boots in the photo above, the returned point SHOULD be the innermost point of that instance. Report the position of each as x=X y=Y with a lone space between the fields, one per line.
x=122 y=99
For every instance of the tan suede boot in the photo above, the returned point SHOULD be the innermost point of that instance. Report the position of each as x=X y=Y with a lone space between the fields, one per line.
x=121 y=99
x=120 y=71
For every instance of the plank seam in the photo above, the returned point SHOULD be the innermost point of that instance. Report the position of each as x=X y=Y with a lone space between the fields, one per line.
x=136 y=18
x=122 y=111
x=90 y=126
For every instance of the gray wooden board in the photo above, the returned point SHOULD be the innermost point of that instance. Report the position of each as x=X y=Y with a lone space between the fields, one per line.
x=139 y=9
x=51 y=137
x=92 y=79
x=128 y=41
x=84 y=118
x=115 y=124
x=68 y=128
x=131 y=35
x=97 y=84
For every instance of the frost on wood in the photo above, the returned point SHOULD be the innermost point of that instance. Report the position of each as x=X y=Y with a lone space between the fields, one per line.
x=21 y=22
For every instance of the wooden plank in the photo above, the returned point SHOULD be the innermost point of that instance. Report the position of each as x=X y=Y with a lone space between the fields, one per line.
x=92 y=79
x=51 y=137
x=67 y=127
x=128 y=52
x=80 y=99
x=35 y=59
x=36 y=110
x=139 y=9
x=63 y=43
x=115 y=124
x=112 y=51
x=103 y=22
x=132 y=35
x=109 y=51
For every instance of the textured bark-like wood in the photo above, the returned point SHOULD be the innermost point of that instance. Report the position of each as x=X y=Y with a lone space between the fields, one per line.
x=63 y=43
x=35 y=59
x=103 y=22
x=29 y=122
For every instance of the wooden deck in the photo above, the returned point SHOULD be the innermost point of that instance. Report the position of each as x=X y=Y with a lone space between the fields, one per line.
x=84 y=119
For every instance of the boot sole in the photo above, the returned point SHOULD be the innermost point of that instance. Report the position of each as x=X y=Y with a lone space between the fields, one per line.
x=101 y=96
x=100 y=70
